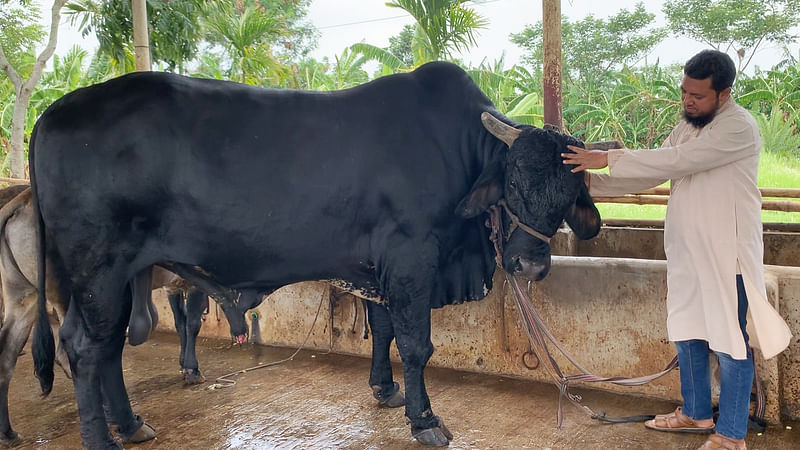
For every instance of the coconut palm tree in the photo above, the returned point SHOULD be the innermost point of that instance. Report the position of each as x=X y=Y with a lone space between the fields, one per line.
x=443 y=27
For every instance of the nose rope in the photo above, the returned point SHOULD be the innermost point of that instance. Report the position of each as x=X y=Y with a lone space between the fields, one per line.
x=516 y=223
x=495 y=223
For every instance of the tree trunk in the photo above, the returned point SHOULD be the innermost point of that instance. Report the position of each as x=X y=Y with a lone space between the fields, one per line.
x=141 y=40
x=16 y=154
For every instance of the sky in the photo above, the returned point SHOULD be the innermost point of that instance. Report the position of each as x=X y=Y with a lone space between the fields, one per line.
x=345 y=22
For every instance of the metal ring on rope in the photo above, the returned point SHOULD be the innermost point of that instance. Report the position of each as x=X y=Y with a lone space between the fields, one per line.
x=531 y=354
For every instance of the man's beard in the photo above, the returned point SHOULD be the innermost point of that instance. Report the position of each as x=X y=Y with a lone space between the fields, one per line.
x=701 y=121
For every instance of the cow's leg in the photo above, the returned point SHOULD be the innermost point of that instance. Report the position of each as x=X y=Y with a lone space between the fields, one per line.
x=408 y=294
x=19 y=317
x=196 y=305
x=384 y=389
x=175 y=299
x=61 y=355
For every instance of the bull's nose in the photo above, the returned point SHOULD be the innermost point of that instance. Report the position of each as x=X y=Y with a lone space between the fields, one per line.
x=531 y=270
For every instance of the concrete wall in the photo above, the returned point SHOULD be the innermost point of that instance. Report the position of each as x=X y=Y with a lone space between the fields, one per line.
x=609 y=313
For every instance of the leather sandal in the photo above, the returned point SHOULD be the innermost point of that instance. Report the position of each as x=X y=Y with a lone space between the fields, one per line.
x=677 y=421
x=720 y=442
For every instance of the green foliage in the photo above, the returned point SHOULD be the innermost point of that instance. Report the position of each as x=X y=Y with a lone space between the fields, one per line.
x=256 y=30
x=401 y=46
x=308 y=74
x=639 y=107
x=765 y=90
x=593 y=47
x=779 y=131
x=741 y=25
x=20 y=32
x=246 y=31
x=300 y=36
x=8 y=97
x=346 y=71
x=173 y=26
x=513 y=91
x=443 y=27
x=391 y=63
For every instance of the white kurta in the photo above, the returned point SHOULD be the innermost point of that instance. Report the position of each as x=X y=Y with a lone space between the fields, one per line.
x=712 y=230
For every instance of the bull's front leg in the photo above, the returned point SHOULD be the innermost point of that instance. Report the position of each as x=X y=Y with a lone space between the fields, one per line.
x=408 y=294
x=384 y=388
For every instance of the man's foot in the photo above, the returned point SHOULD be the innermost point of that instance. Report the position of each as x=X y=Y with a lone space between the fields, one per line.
x=677 y=421
x=718 y=441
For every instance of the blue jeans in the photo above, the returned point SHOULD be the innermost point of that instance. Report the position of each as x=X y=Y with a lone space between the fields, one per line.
x=736 y=380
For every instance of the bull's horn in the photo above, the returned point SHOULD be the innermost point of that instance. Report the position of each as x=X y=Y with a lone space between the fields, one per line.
x=604 y=145
x=500 y=130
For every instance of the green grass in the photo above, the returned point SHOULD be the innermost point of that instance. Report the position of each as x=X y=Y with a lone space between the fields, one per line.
x=775 y=171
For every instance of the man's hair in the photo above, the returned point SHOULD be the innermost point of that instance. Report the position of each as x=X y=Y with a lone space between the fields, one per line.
x=712 y=63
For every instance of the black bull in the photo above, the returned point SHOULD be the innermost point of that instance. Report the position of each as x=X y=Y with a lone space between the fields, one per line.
x=382 y=186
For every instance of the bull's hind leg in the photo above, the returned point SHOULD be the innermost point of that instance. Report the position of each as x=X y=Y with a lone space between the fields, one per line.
x=85 y=359
x=19 y=315
x=196 y=304
x=115 y=399
x=93 y=334
x=384 y=388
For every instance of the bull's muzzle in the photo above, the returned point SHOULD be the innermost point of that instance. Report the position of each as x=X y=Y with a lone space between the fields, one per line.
x=531 y=270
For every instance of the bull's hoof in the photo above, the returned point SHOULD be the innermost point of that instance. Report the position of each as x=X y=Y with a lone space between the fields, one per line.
x=395 y=401
x=10 y=438
x=438 y=436
x=391 y=398
x=143 y=434
x=434 y=437
x=109 y=443
x=193 y=376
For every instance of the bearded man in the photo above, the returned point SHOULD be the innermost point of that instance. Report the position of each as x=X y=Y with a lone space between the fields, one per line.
x=714 y=247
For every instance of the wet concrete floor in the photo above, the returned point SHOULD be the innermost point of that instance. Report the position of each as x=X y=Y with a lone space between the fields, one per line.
x=322 y=401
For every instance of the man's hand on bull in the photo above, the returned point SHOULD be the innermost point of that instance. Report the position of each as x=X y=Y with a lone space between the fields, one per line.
x=585 y=159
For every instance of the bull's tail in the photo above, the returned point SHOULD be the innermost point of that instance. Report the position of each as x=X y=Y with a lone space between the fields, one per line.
x=44 y=350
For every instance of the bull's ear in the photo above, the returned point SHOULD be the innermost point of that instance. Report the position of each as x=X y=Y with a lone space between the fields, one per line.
x=583 y=217
x=486 y=191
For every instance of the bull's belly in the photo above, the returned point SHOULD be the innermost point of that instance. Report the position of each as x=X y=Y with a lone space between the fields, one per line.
x=367 y=293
